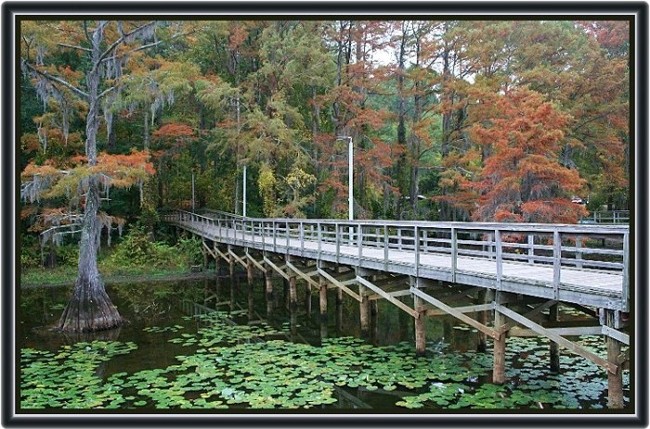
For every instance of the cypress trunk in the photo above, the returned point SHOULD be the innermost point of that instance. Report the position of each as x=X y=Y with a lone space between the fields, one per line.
x=90 y=309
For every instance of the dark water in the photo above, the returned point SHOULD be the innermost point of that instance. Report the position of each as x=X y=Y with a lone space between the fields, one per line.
x=164 y=322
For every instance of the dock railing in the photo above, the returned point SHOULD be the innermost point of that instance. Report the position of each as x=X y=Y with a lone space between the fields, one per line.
x=560 y=246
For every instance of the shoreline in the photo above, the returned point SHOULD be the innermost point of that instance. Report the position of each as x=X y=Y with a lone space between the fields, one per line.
x=135 y=278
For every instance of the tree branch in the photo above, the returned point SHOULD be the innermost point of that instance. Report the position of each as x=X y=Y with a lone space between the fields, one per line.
x=58 y=80
x=119 y=41
x=81 y=48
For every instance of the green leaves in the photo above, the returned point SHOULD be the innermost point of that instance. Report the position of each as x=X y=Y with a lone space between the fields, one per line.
x=246 y=366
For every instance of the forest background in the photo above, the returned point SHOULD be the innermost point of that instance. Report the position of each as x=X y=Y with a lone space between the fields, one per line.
x=509 y=121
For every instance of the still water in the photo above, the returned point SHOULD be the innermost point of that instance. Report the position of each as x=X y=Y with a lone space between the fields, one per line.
x=216 y=344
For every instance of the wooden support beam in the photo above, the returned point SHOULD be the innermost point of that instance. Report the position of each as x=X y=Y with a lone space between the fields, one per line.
x=534 y=312
x=387 y=296
x=221 y=254
x=395 y=294
x=572 y=347
x=453 y=312
x=237 y=258
x=338 y=284
x=256 y=263
x=464 y=309
x=517 y=331
x=304 y=276
x=276 y=268
x=205 y=246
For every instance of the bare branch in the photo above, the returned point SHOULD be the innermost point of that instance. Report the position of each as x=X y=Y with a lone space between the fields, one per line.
x=81 y=48
x=106 y=92
x=119 y=41
x=56 y=79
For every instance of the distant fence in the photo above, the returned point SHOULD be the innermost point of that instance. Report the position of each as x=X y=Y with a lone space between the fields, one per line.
x=608 y=217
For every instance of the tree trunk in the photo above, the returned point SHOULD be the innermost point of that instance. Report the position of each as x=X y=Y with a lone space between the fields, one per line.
x=90 y=308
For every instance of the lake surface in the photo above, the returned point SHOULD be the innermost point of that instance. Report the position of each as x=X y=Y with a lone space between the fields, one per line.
x=213 y=344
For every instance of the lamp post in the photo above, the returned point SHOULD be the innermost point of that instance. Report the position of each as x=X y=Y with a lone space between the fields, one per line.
x=244 y=193
x=350 y=175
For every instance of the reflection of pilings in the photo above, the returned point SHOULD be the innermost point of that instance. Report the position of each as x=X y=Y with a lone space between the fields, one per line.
x=482 y=316
x=293 y=298
x=339 y=310
x=251 y=302
x=322 y=300
x=374 y=328
x=554 y=347
x=614 y=379
x=269 y=291
x=344 y=397
x=308 y=301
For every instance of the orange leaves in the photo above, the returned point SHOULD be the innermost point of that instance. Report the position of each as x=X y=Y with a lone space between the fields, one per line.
x=174 y=130
x=522 y=178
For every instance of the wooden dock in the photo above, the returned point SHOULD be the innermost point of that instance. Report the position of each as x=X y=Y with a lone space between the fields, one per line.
x=503 y=266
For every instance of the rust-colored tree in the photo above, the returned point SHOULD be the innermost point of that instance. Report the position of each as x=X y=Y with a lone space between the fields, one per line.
x=522 y=179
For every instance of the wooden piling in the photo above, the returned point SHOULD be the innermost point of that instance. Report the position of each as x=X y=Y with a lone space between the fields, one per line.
x=308 y=300
x=293 y=298
x=374 y=325
x=268 y=281
x=499 y=367
x=339 y=310
x=554 y=347
x=249 y=272
x=615 y=398
x=420 y=334
x=322 y=298
x=364 y=312
x=481 y=340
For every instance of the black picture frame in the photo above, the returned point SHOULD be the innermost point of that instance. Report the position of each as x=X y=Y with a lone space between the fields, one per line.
x=637 y=13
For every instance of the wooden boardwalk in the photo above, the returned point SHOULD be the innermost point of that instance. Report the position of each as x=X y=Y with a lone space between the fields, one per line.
x=464 y=253
x=518 y=273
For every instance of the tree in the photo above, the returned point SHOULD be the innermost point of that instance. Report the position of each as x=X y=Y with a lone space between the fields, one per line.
x=522 y=179
x=101 y=50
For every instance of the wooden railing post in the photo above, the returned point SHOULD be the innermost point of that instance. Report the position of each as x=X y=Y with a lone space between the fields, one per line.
x=499 y=257
x=386 y=239
x=557 y=262
x=416 y=243
x=287 y=233
x=302 y=239
x=626 y=271
x=360 y=241
x=531 y=249
x=454 y=253
x=274 y=237
x=337 y=232
x=320 y=239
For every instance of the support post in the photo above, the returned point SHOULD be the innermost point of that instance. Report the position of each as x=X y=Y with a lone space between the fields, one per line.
x=322 y=298
x=420 y=334
x=498 y=370
x=374 y=315
x=364 y=312
x=481 y=340
x=269 y=291
x=293 y=298
x=308 y=300
x=554 y=347
x=615 y=398
x=339 y=310
x=249 y=273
